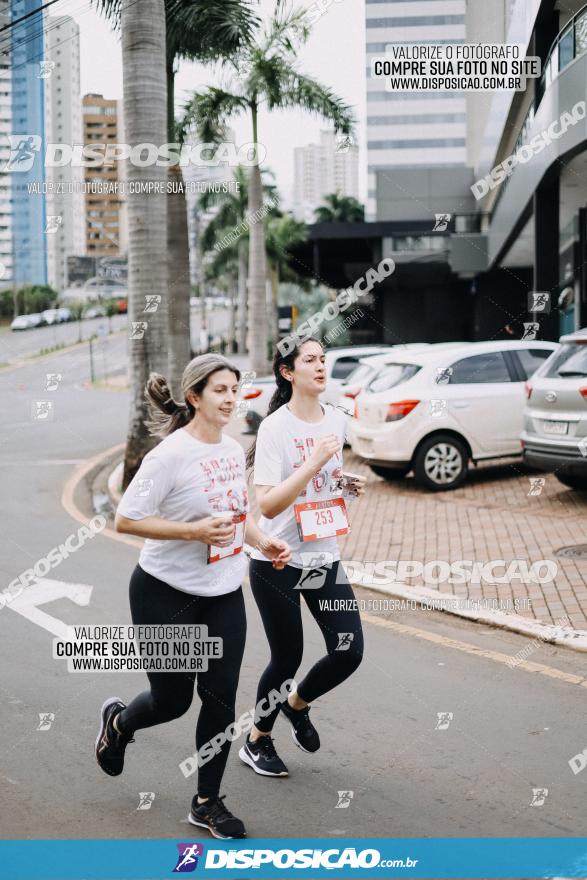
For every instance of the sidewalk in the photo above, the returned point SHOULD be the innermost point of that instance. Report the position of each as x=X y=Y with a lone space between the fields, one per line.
x=490 y=518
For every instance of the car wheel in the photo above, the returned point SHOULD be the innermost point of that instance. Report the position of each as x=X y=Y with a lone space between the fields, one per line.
x=572 y=481
x=388 y=473
x=441 y=463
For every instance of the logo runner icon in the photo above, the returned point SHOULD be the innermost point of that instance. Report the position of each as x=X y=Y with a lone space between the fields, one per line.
x=187 y=859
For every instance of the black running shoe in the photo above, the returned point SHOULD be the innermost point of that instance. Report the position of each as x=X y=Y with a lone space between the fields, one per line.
x=110 y=744
x=262 y=757
x=214 y=816
x=303 y=731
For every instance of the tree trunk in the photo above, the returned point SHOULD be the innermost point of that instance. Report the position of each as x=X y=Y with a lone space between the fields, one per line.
x=179 y=283
x=145 y=113
x=242 y=296
x=275 y=310
x=233 y=294
x=257 y=269
x=178 y=261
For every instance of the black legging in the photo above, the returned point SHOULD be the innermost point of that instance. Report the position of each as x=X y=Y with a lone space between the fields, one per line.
x=279 y=605
x=154 y=602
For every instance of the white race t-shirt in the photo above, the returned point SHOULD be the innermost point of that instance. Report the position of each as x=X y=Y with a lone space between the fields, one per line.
x=184 y=480
x=284 y=442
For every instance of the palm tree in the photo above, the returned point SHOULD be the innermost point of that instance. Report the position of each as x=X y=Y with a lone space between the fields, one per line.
x=264 y=75
x=282 y=234
x=145 y=113
x=232 y=209
x=340 y=209
x=202 y=30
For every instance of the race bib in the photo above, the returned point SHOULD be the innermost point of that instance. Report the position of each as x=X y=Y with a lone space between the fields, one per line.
x=217 y=553
x=321 y=519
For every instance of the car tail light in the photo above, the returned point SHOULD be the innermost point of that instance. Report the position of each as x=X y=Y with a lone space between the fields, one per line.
x=528 y=389
x=250 y=395
x=583 y=392
x=398 y=410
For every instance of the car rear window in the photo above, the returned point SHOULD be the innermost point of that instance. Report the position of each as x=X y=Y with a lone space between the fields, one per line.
x=343 y=366
x=532 y=358
x=392 y=375
x=480 y=369
x=570 y=362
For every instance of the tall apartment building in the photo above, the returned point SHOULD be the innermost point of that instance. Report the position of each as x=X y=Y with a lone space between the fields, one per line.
x=332 y=166
x=63 y=125
x=412 y=129
x=5 y=130
x=29 y=241
x=103 y=210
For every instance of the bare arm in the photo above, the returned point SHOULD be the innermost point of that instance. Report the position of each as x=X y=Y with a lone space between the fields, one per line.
x=210 y=530
x=273 y=500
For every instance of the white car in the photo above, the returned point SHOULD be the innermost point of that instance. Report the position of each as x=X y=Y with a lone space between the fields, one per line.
x=51 y=316
x=339 y=363
x=21 y=322
x=434 y=410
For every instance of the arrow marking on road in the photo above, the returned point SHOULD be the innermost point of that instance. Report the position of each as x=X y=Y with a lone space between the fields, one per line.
x=43 y=591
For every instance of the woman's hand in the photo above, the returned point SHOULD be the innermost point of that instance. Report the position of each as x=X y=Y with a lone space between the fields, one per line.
x=277 y=551
x=324 y=449
x=217 y=530
x=359 y=485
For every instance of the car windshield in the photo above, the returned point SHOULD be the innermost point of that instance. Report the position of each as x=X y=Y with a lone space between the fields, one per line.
x=570 y=361
x=392 y=375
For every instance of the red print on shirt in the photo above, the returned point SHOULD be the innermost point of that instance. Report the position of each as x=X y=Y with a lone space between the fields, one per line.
x=219 y=473
x=304 y=448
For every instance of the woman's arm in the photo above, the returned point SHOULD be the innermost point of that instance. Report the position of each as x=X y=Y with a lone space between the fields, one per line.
x=273 y=500
x=275 y=549
x=209 y=530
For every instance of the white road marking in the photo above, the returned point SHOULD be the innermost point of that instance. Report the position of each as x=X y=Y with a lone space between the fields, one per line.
x=43 y=591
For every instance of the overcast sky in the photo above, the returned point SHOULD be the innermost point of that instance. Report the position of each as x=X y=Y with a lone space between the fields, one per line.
x=334 y=54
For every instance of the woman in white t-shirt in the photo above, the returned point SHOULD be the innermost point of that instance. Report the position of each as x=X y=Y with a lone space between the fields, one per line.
x=189 y=501
x=298 y=476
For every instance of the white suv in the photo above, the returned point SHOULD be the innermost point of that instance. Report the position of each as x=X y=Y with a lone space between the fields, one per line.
x=434 y=410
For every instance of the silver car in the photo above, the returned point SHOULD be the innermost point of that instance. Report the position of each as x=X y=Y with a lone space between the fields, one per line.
x=555 y=420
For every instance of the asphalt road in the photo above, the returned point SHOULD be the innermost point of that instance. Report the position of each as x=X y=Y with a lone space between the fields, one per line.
x=18 y=344
x=512 y=730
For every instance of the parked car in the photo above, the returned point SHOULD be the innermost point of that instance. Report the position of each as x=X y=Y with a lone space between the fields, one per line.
x=36 y=319
x=65 y=314
x=435 y=410
x=339 y=363
x=21 y=322
x=95 y=312
x=51 y=316
x=369 y=366
x=555 y=419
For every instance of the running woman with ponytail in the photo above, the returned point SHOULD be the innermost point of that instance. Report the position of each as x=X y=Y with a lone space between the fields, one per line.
x=189 y=500
x=298 y=473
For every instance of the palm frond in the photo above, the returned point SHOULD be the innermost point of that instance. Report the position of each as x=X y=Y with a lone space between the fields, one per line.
x=207 y=112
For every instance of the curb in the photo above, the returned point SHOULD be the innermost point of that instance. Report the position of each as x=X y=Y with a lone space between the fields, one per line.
x=73 y=481
x=114 y=483
x=39 y=358
x=576 y=639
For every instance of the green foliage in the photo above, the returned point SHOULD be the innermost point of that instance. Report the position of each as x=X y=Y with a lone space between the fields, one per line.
x=30 y=299
x=340 y=209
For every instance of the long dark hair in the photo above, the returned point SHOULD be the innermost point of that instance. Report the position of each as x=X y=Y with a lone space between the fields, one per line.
x=166 y=415
x=283 y=392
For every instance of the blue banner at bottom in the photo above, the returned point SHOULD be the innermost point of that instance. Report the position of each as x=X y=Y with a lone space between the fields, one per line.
x=528 y=857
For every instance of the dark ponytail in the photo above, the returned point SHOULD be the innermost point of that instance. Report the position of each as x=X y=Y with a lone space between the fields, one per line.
x=283 y=392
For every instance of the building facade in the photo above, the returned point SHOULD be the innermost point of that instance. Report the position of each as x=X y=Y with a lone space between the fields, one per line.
x=63 y=125
x=29 y=240
x=412 y=129
x=103 y=209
